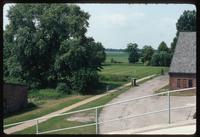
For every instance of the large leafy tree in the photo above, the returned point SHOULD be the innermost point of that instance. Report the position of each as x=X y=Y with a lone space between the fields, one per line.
x=186 y=22
x=163 y=47
x=49 y=45
x=132 y=49
x=147 y=52
x=162 y=57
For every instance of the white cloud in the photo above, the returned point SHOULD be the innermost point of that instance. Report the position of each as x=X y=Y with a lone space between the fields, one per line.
x=113 y=20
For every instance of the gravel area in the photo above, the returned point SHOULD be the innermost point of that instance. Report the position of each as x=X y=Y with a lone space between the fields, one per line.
x=143 y=106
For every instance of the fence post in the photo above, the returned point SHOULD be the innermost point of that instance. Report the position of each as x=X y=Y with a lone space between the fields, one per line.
x=37 y=131
x=169 y=108
x=96 y=120
x=107 y=88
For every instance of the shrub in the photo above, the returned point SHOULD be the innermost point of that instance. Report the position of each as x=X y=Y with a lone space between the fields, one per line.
x=63 y=88
x=84 y=80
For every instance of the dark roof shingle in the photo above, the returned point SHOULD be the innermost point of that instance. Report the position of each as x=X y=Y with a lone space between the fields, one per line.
x=184 y=58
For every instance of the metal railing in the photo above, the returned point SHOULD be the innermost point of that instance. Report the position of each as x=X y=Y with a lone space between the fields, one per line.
x=97 y=123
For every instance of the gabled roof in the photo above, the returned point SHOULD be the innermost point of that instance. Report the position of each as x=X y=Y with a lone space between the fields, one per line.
x=184 y=58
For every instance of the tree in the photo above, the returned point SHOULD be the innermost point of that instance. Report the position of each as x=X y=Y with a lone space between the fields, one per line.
x=163 y=47
x=173 y=44
x=165 y=58
x=186 y=22
x=155 y=60
x=133 y=52
x=162 y=58
x=147 y=53
x=49 y=45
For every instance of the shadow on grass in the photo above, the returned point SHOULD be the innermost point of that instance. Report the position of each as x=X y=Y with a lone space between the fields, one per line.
x=30 y=106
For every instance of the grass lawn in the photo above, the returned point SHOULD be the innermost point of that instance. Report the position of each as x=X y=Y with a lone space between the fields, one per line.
x=117 y=56
x=63 y=122
x=122 y=73
x=43 y=106
x=181 y=93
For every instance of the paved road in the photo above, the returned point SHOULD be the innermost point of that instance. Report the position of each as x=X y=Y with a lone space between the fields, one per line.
x=144 y=106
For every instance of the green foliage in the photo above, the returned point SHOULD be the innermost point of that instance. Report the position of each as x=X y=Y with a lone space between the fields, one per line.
x=63 y=88
x=162 y=58
x=133 y=52
x=173 y=44
x=147 y=52
x=163 y=47
x=84 y=80
x=46 y=44
x=44 y=94
x=187 y=21
x=155 y=61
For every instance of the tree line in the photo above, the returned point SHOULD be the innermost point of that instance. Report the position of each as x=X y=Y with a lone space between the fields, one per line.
x=163 y=54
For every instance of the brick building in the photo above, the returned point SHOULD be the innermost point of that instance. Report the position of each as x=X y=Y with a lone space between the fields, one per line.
x=182 y=72
x=14 y=97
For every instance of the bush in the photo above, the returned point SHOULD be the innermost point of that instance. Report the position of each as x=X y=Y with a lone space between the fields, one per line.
x=63 y=88
x=44 y=94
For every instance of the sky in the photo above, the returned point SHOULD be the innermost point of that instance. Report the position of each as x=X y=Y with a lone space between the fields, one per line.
x=116 y=25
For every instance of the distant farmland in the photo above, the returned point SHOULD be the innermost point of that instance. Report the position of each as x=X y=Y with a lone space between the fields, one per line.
x=120 y=73
x=118 y=56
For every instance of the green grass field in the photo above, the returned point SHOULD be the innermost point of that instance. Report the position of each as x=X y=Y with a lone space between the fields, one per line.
x=118 y=56
x=122 y=73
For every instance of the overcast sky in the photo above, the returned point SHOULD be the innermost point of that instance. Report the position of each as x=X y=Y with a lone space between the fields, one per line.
x=116 y=25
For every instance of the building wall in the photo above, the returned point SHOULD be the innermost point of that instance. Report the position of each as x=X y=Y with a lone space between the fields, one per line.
x=183 y=81
x=14 y=97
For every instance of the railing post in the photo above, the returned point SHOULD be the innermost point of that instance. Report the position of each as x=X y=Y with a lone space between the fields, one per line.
x=169 y=118
x=96 y=120
x=37 y=131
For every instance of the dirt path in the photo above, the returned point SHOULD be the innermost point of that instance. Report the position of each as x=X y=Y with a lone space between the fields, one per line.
x=32 y=123
x=143 y=106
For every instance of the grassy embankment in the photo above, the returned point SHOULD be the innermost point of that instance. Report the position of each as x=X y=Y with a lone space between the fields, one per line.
x=43 y=102
x=64 y=122
x=113 y=74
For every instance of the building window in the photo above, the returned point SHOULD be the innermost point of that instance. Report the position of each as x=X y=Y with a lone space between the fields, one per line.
x=178 y=83
x=190 y=84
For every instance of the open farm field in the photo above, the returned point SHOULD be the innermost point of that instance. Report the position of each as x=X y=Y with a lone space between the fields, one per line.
x=124 y=72
x=121 y=57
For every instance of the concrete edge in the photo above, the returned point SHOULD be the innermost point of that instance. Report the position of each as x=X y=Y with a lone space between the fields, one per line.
x=155 y=127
